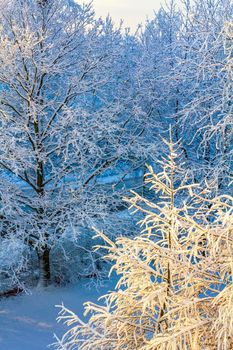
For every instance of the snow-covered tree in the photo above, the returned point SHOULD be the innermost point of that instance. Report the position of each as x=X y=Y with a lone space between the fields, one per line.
x=207 y=112
x=186 y=52
x=67 y=116
x=81 y=100
x=175 y=287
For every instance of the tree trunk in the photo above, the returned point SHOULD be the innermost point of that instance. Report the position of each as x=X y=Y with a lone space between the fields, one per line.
x=44 y=268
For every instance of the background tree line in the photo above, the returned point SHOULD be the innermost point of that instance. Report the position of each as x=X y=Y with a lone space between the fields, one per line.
x=83 y=106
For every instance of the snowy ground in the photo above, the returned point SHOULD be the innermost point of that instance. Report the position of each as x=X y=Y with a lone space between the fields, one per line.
x=28 y=322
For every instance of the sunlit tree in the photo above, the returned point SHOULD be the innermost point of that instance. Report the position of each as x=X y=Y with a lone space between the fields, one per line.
x=175 y=288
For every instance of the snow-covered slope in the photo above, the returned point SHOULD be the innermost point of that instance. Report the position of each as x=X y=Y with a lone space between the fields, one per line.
x=28 y=322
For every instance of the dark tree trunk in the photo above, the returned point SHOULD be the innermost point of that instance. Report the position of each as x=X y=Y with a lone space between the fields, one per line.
x=44 y=268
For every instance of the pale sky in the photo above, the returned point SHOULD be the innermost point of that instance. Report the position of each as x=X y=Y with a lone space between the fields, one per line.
x=131 y=11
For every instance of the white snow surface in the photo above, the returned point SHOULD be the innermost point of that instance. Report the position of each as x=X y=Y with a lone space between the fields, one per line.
x=28 y=321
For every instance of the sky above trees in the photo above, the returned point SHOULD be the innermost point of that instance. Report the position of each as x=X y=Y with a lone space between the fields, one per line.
x=131 y=11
